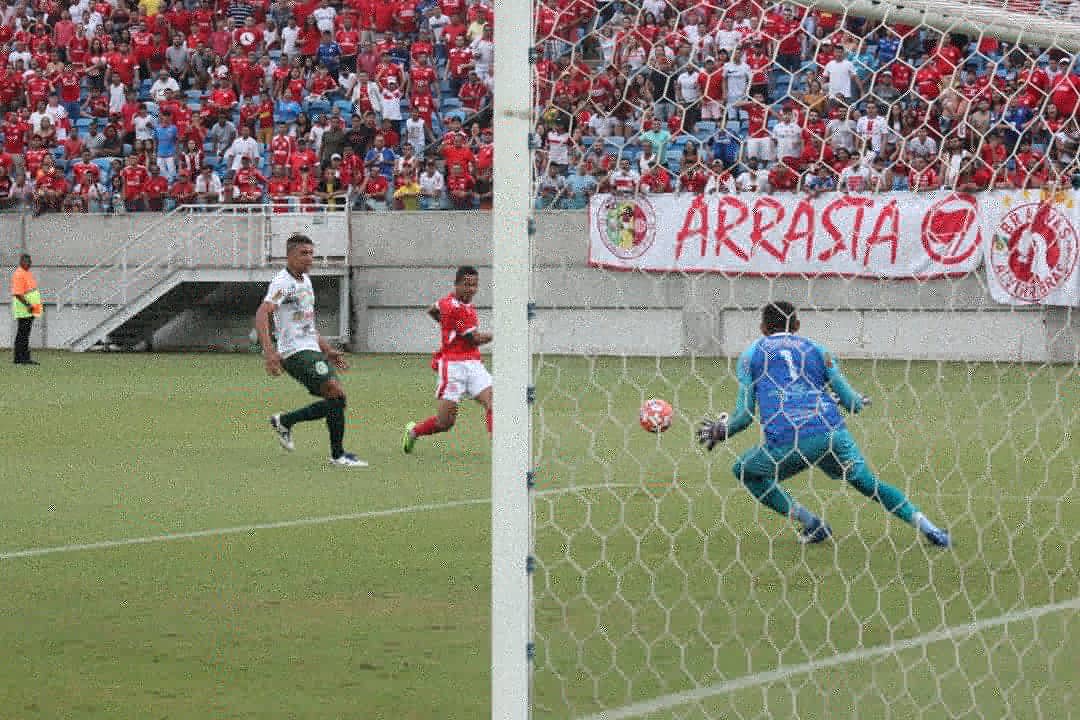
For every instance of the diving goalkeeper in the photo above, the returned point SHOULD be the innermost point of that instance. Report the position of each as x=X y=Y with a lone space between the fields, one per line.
x=788 y=379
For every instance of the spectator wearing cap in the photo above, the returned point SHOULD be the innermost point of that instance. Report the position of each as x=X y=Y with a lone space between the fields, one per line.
x=883 y=89
x=720 y=180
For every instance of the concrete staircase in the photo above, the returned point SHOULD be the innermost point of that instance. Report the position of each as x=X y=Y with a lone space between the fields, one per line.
x=174 y=263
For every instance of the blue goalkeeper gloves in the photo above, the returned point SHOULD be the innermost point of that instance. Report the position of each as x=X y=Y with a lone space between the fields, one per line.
x=713 y=430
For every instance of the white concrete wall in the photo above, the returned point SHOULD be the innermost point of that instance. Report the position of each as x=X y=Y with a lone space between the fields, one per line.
x=404 y=261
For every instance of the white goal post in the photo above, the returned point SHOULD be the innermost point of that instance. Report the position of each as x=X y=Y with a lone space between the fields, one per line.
x=642 y=578
x=511 y=597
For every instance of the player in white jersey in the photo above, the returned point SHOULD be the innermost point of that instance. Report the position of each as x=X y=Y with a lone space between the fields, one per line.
x=302 y=352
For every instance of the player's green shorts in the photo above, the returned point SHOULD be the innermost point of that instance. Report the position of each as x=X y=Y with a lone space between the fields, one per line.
x=311 y=369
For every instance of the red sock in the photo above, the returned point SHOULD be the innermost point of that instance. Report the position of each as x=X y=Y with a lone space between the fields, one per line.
x=427 y=427
x=490 y=421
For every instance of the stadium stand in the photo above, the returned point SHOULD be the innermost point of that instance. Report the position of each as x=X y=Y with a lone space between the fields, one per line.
x=385 y=104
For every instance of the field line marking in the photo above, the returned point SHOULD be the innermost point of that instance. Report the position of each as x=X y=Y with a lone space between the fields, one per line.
x=348 y=517
x=666 y=702
x=277 y=525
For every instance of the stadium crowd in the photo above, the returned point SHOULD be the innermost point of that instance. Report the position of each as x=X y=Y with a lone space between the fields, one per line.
x=113 y=105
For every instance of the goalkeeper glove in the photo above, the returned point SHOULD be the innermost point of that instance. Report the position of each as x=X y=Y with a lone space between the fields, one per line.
x=713 y=431
x=836 y=397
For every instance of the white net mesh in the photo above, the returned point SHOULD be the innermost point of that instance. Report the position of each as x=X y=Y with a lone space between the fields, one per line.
x=907 y=188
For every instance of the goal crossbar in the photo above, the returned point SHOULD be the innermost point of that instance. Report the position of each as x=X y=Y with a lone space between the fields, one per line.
x=973 y=19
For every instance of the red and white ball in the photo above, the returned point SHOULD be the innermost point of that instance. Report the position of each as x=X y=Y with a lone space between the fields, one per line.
x=655 y=416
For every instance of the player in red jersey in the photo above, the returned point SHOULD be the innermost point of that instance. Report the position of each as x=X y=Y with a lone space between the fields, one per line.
x=461 y=371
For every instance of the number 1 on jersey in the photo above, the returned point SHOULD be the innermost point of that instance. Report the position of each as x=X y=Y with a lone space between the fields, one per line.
x=790 y=360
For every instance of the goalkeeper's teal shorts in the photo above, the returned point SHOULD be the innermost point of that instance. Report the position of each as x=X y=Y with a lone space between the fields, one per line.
x=836 y=453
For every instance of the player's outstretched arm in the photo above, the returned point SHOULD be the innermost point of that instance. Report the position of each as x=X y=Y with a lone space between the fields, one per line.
x=434 y=313
x=846 y=396
x=716 y=430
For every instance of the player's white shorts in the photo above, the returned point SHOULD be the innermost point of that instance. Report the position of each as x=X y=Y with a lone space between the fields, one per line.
x=461 y=378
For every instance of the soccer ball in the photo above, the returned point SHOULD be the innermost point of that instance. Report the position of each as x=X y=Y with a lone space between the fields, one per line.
x=655 y=416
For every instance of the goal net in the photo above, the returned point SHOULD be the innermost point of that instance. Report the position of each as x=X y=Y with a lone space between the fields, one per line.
x=903 y=174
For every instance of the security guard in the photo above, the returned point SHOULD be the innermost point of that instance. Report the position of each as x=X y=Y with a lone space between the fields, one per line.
x=25 y=306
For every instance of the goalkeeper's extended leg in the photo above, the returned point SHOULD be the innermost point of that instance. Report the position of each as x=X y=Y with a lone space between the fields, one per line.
x=762 y=469
x=846 y=461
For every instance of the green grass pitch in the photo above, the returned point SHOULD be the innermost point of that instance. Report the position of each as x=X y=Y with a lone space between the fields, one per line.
x=656 y=574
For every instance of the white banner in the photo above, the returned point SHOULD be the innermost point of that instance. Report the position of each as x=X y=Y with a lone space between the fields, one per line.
x=884 y=235
x=1032 y=251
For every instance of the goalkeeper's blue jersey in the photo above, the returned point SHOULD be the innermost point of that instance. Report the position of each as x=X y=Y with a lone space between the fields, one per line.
x=789 y=378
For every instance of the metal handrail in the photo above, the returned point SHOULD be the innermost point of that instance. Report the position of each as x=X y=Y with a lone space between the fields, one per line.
x=182 y=247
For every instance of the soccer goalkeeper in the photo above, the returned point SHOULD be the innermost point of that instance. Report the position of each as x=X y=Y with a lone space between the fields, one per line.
x=788 y=379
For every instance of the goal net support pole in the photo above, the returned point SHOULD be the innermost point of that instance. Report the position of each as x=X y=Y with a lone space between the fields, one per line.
x=511 y=594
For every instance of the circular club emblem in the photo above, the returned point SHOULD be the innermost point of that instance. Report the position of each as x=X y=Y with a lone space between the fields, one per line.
x=627 y=226
x=950 y=233
x=1034 y=251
